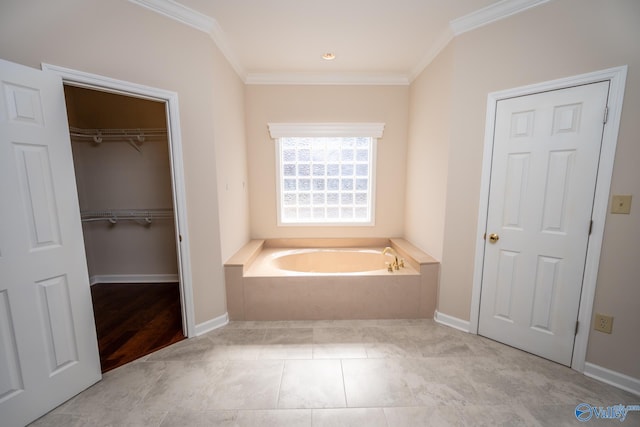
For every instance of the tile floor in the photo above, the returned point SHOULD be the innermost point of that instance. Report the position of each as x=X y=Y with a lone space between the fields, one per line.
x=339 y=373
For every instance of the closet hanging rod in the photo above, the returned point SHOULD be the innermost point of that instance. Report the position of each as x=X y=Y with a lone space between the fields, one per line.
x=143 y=216
x=99 y=135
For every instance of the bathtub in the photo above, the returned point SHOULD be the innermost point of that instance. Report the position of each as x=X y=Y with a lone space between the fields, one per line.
x=301 y=279
x=328 y=261
x=322 y=261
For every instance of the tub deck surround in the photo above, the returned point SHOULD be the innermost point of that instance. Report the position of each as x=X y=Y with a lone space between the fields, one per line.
x=411 y=253
x=246 y=254
x=266 y=280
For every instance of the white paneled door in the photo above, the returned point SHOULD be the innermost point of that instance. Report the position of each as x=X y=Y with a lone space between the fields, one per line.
x=48 y=347
x=543 y=177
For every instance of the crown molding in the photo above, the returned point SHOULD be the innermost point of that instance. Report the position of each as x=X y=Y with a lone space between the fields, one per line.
x=471 y=21
x=178 y=12
x=490 y=14
x=438 y=46
x=201 y=22
x=304 y=78
x=220 y=39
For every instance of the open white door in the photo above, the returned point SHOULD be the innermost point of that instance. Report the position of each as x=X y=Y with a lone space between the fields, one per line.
x=48 y=346
x=543 y=177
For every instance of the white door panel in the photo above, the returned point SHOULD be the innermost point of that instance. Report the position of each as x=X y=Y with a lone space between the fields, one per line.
x=544 y=170
x=48 y=350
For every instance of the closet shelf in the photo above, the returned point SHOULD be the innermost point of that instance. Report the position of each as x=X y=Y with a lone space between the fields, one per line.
x=141 y=216
x=134 y=137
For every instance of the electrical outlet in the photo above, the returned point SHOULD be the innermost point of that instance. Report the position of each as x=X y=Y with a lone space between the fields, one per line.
x=603 y=323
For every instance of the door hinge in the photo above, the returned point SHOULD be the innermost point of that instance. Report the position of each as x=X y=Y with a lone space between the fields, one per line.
x=606 y=115
x=577 y=323
x=590 y=227
x=180 y=237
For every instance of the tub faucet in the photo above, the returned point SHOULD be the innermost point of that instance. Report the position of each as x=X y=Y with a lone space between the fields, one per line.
x=390 y=251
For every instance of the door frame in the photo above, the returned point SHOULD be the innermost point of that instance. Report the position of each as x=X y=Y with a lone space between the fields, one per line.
x=106 y=84
x=617 y=78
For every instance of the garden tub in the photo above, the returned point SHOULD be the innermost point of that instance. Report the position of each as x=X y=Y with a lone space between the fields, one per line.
x=313 y=279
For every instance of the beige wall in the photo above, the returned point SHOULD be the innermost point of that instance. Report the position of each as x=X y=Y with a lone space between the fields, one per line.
x=388 y=104
x=123 y=41
x=428 y=154
x=231 y=154
x=558 y=39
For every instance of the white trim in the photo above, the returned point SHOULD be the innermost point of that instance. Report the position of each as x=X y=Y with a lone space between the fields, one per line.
x=616 y=379
x=94 y=81
x=178 y=12
x=438 y=46
x=617 y=77
x=220 y=39
x=210 y=26
x=352 y=79
x=452 y=322
x=471 y=21
x=210 y=325
x=292 y=130
x=197 y=20
x=133 y=278
x=207 y=24
x=490 y=14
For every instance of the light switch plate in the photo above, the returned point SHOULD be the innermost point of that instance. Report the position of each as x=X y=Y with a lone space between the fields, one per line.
x=621 y=204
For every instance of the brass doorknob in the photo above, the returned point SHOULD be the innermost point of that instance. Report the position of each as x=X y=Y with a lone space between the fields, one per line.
x=493 y=237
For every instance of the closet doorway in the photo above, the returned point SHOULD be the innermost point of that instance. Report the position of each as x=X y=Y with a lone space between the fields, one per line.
x=122 y=163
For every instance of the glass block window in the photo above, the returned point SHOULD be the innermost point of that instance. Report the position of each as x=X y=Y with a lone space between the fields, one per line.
x=326 y=180
x=325 y=172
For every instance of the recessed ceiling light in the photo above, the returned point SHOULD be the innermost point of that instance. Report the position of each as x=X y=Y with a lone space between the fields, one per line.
x=329 y=56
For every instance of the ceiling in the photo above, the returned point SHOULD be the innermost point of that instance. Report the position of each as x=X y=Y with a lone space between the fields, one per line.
x=373 y=40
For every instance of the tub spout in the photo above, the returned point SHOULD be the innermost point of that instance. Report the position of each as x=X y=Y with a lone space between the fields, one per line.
x=390 y=251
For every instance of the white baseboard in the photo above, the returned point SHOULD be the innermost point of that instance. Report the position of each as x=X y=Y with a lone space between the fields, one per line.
x=452 y=322
x=616 y=379
x=210 y=325
x=133 y=278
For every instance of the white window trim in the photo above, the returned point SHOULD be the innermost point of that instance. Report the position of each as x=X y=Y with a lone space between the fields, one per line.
x=292 y=130
x=302 y=130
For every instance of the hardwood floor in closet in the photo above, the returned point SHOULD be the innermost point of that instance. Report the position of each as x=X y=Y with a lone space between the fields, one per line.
x=133 y=320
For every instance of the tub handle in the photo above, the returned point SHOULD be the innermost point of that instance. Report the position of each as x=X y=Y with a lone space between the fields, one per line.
x=389 y=267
